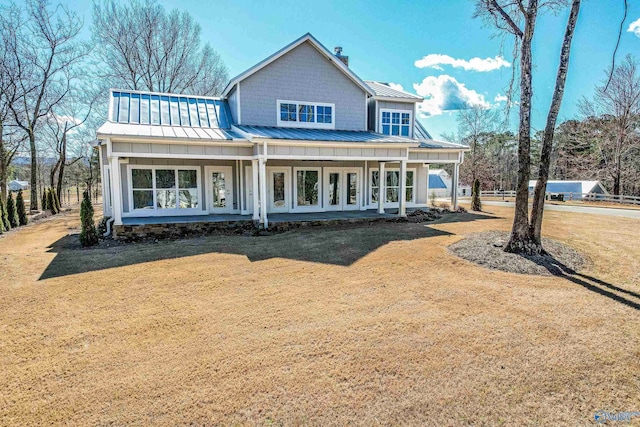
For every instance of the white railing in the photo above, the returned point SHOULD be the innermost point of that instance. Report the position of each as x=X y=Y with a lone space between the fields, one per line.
x=595 y=197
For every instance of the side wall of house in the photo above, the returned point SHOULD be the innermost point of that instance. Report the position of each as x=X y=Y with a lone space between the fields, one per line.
x=302 y=74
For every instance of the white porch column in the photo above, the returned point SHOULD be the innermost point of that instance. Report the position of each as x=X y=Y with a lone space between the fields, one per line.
x=382 y=191
x=426 y=167
x=263 y=193
x=402 y=198
x=116 y=191
x=255 y=190
x=454 y=186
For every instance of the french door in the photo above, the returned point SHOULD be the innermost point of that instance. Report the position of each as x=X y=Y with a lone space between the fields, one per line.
x=278 y=189
x=342 y=189
x=219 y=187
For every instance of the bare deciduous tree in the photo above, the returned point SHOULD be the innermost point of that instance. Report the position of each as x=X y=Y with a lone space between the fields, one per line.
x=518 y=17
x=476 y=125
x=145 y=48
x=41 y=44
x=617 y=105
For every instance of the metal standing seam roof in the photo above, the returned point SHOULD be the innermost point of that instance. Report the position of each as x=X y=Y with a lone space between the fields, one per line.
x=575 y=187
x=164 y=115
x=269 y=132
x=384 y=90
x=436 y=182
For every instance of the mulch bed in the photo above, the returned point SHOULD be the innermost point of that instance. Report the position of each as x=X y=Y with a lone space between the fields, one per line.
x=486 y=249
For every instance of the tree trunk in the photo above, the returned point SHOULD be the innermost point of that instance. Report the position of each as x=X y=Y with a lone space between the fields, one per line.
x=33 y=182
x=537 y=211
x=519 y=240
x=3 y=168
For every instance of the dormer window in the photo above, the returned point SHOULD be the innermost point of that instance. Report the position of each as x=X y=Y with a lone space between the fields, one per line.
x=395 y=122
x=300 y=114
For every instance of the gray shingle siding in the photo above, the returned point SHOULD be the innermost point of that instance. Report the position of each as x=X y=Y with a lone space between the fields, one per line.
x=302 y=75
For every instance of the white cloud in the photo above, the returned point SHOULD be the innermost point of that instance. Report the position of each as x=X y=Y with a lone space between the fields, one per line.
x=500 y=98
x=634 y=27
x=396 y=86
x=474 y=64
x=445 y=93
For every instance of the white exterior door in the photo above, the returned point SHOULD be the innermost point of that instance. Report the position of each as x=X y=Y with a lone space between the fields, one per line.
x=342 y=189
x=279 y=189
x=219 y=187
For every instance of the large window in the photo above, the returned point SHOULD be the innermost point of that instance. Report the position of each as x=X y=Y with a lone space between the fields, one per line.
x=392 y=186
x=306 y=114
x=395 y=122
x=163 y=188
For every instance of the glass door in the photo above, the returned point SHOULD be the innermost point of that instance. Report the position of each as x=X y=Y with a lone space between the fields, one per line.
x=278 y=186
x=219 y=189
x=342 y=189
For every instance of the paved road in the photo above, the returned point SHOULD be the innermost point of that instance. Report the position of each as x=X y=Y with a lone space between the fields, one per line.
x=627 y=213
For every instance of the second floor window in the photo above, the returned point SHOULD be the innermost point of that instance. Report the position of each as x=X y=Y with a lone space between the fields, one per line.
x=397 y=123
x=306 y=114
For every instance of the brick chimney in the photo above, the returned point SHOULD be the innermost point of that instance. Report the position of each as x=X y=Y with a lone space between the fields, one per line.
x=338 y=52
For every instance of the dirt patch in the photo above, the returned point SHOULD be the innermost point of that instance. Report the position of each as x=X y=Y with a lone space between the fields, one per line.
x=486 y=249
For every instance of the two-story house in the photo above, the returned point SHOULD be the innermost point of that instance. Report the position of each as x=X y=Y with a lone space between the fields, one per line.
x=299 y=132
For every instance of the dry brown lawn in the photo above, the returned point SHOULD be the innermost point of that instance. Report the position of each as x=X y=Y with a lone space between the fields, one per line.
x=369 y=326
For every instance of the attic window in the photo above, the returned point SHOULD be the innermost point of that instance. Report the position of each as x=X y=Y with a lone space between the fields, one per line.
x=306 y=114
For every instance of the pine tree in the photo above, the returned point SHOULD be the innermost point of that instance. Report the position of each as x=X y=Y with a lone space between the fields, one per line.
x=11 y=211
x=51 y=204
x=2 y=227
x=88 y=234
x=476 y=204
x=22 y=212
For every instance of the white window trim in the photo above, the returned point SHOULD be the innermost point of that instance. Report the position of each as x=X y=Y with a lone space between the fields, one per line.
x=271 y=208
x=391 y=204
x=228 y=171
x=310 y=125
x=313 y=208
x=156 y=211
x=391 y=110
x=343 y=171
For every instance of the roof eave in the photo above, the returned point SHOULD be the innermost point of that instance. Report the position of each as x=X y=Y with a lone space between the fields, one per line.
x=394 y=99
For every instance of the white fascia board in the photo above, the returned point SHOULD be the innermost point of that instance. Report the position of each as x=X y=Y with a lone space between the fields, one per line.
x=393 y=99
x=179 y=141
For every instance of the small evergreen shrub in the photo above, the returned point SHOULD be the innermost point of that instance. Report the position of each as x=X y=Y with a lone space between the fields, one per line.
x=11 y=211
x=88 y=234
x=476 y=204
x=22 y=212
x=43 y=202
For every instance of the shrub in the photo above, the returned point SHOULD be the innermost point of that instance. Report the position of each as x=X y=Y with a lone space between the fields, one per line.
x=22 y=212
x=51 y=204
x=476 y=204
x=433 y=198
x=88 y=234
x=11 y=211
x=43 y=202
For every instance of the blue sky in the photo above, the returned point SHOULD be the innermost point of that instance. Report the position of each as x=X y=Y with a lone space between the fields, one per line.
x=385 y=39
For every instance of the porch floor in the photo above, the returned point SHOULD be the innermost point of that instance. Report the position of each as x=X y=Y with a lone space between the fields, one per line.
x=273 y=218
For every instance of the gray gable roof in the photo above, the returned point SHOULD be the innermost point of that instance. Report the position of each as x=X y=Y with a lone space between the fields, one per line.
x=315 y=43
x=383 y=90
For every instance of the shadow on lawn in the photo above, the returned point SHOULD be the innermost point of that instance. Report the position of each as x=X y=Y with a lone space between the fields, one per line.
x=592 y=284
x=340 y=245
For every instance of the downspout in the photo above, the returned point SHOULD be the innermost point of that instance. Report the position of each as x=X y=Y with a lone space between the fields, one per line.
x=108 y=226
